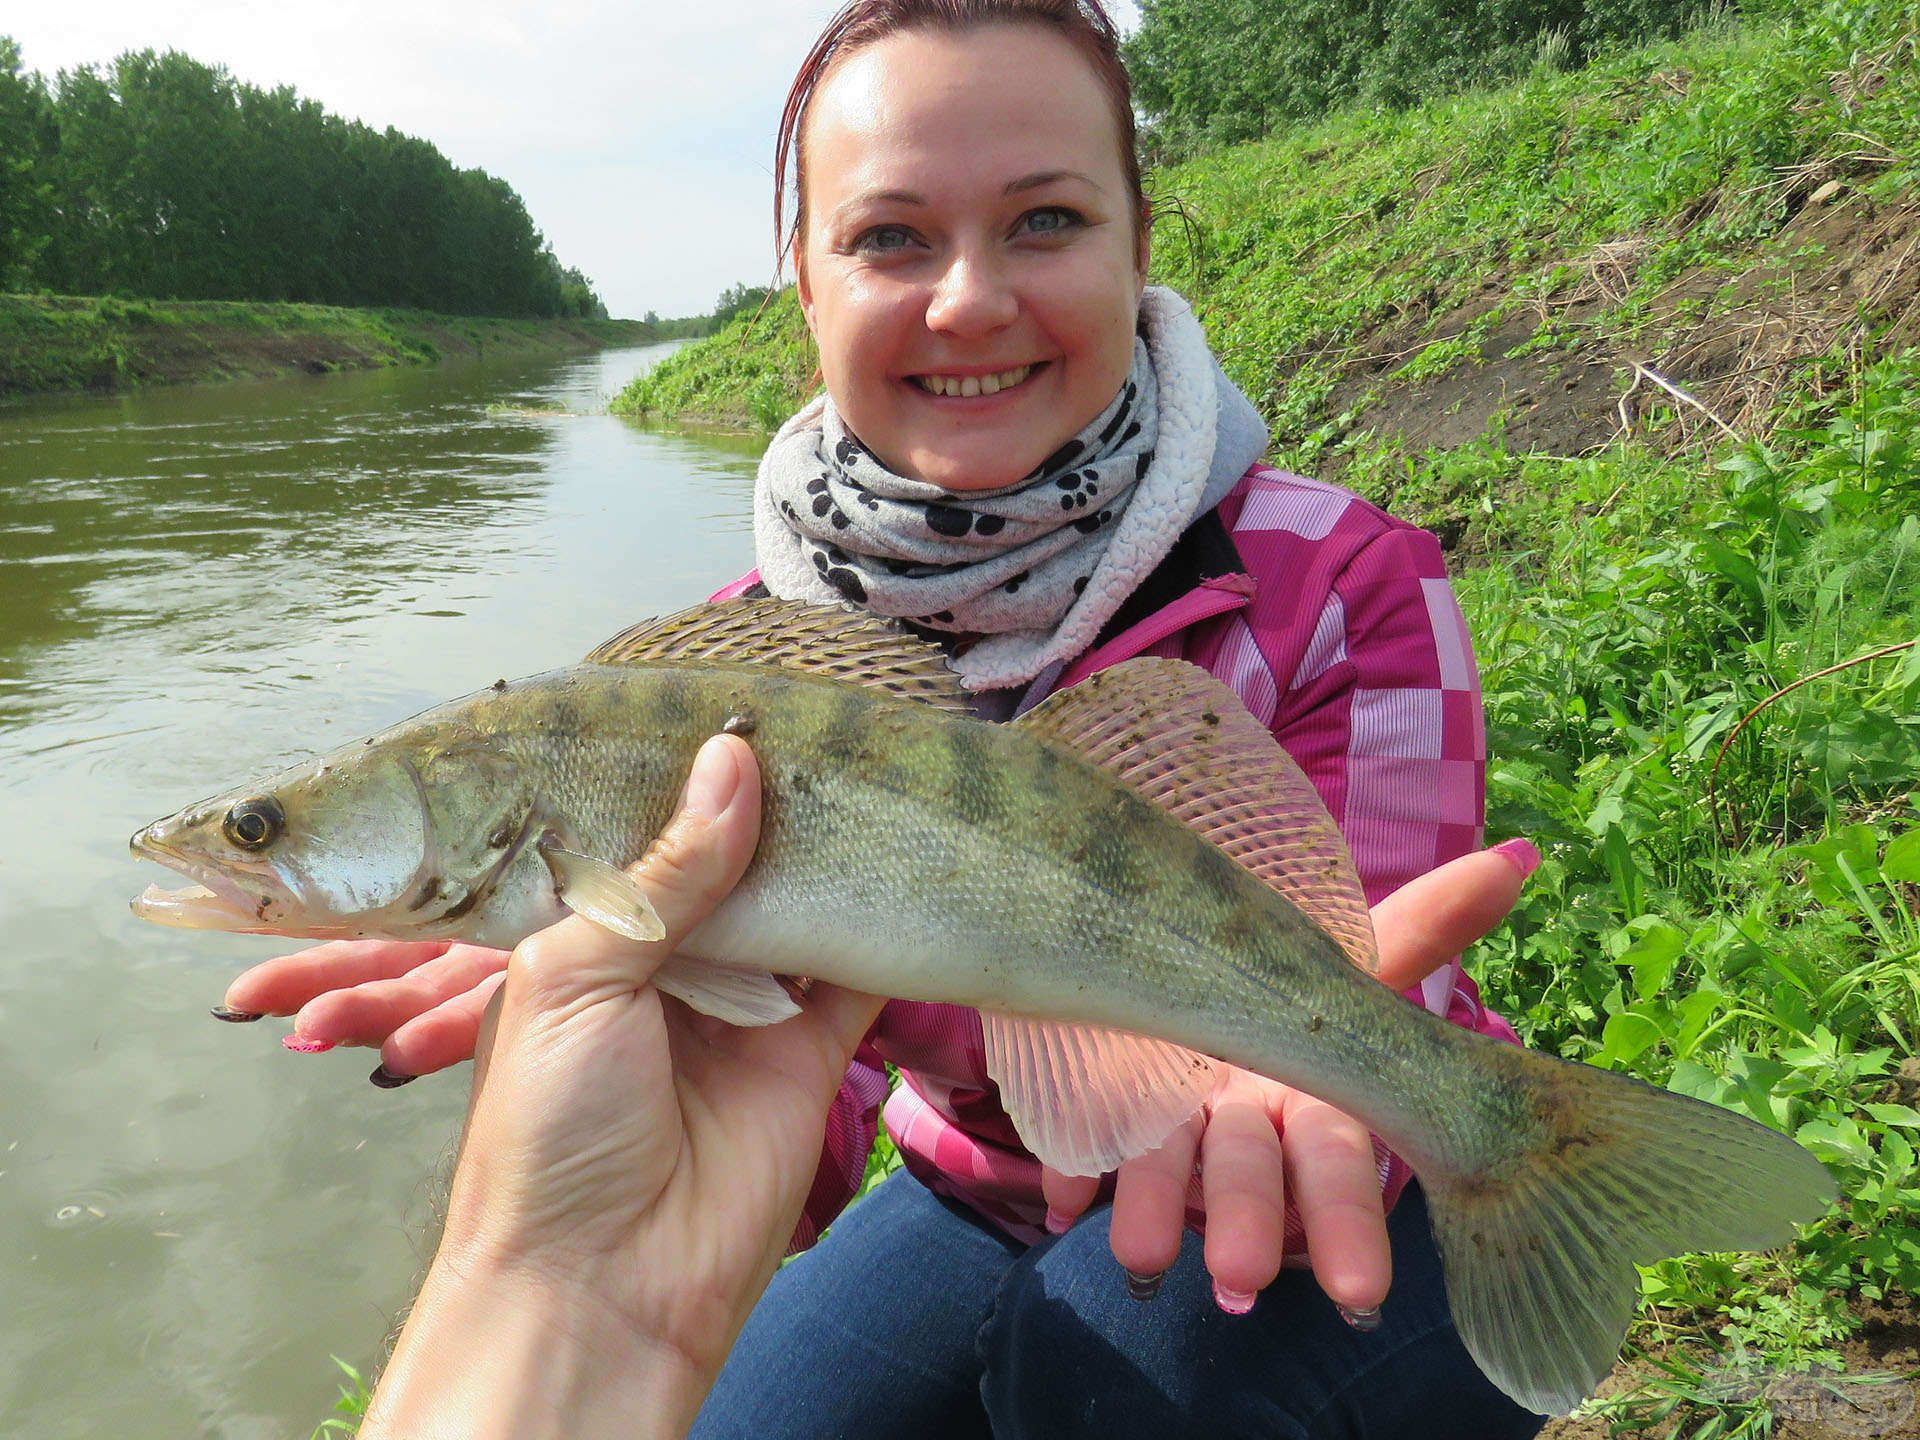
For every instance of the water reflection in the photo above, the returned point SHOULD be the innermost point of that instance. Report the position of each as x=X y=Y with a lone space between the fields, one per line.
x=198 y=585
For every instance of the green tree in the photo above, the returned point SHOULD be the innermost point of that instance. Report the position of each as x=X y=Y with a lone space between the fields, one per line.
x=25 y=137
x=736 y=299
x=158 y=175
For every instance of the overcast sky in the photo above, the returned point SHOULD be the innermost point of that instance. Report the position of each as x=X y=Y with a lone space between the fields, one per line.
x=639 y=133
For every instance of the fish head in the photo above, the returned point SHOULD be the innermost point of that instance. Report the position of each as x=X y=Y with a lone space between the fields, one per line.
x=397 y=837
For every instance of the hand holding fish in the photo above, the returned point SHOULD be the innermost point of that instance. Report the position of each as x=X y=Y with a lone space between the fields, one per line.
x=629 y=1173
x=1326 y=1162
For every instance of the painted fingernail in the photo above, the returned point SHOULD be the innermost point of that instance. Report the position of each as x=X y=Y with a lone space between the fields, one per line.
x=233 y=1016
x=716 y=775
x=387 y=1080
x=1234 y=1302
x=1366 y=1321
x=1143 y=1287
x=1520 y=854
x=1058 y=1224
x=300 y=1045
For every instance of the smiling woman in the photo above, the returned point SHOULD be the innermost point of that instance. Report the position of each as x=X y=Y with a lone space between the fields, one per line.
x=1029 y=455
x=957 y=233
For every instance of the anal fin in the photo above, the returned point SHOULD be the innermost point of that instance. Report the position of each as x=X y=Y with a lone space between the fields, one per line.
x=1085 y=1098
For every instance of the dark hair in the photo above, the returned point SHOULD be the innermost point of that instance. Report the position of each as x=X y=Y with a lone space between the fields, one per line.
x=1084 y=24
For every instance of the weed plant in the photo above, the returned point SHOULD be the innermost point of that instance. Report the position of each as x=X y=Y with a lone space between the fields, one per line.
x=1751 y=934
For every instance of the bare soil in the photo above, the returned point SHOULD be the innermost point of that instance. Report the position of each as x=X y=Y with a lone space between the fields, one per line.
x=1877 y=1398
x=1566 y=374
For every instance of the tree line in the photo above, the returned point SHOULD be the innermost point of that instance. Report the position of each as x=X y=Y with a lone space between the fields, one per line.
x=158 y=176
x=1212 y=72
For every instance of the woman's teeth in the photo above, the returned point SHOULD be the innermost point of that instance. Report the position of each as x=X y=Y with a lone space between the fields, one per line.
x=970 y=385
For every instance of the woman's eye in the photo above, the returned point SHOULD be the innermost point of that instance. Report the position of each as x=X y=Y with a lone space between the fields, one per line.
x=884 y=238
x=1050 y=220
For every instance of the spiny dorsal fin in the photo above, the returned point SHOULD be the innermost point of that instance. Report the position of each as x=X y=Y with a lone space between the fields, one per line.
x=1178 y=737
x=829 y=640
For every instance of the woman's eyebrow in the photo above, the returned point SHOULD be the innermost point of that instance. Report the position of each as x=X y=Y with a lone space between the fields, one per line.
x=871 y=197
x=1047 y=177
x=913 y=197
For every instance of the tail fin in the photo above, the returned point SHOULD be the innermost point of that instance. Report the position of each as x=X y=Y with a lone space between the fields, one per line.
x=1539 y=1260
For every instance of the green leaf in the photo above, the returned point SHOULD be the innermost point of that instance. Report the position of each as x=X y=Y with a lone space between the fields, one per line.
x=1894 y=1115
x=1653 y=954
x=1627 y=1036
x=1902 y=860
x=1835 y=1139
x=1896 y=1156
x=1723 y=560
x=1693 y=1014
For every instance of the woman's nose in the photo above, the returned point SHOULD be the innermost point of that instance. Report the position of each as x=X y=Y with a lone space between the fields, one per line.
x=971 y=298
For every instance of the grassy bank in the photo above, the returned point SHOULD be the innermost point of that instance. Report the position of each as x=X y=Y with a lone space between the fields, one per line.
x=1637 y=343
x=1728 y=209
x=84 y=342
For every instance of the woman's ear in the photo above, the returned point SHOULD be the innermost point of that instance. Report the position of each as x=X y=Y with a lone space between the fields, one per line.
x=803 y=286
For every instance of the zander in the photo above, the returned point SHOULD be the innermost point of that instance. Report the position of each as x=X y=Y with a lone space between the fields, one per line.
x=1130 y=881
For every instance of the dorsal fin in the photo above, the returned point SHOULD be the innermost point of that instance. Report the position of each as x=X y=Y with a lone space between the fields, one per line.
x=828 y=640
x=1179 y=738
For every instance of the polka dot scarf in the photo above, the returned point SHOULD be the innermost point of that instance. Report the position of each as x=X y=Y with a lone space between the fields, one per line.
x=1036 y=569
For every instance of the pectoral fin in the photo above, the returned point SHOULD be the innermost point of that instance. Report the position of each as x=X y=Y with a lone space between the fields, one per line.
x=1085 y=1098
x=739 y=997
x=604 y=893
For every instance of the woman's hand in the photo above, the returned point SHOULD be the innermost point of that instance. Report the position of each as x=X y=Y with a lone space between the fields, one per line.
x=419 y=1001
x=630 y=1173
x=1326 y=1163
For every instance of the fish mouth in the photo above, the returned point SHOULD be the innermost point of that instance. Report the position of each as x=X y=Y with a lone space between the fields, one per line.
x=215 y=902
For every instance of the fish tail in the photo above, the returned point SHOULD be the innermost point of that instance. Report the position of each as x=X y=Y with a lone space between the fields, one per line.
x=1539 y=1248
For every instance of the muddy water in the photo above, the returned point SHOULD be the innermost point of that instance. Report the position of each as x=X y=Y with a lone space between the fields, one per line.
x=203 y=582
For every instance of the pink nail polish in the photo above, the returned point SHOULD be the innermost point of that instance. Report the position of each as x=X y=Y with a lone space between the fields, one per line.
x=1520 y=854
x=302 y=1046
x=1058 y=1224
x=1234 y=1302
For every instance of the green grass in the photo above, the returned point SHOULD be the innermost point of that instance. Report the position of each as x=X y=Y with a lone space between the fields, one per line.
x=350 y=1408
x=751 y=374
x=1761 y=951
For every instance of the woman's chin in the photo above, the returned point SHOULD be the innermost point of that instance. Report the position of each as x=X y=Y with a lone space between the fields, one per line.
x=976 y=469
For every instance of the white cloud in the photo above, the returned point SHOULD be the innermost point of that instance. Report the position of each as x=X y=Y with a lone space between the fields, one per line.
x=640 y=134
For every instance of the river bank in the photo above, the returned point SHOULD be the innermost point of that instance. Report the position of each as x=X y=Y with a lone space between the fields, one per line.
x=70 y=342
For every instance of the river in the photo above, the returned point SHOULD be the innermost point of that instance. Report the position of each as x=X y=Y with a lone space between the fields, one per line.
x=196 y=585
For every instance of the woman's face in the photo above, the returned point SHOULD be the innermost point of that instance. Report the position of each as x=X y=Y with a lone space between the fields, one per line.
x=969 y=265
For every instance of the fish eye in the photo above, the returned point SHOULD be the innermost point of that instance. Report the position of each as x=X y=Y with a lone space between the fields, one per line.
x=254 y=824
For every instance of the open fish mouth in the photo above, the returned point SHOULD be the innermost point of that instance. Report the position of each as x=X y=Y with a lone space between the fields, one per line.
x=215 y=902
x=193 y=907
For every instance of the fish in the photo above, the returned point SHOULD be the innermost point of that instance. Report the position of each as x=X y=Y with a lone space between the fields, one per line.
x=1132 y=882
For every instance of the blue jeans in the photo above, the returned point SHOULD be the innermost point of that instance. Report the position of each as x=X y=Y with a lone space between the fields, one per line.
x=915 y=1319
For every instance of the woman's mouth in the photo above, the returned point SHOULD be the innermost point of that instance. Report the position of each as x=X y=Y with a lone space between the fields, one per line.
x=967 y=387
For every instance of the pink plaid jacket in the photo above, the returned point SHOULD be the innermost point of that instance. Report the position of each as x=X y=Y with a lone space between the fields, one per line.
x=1342 y=635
